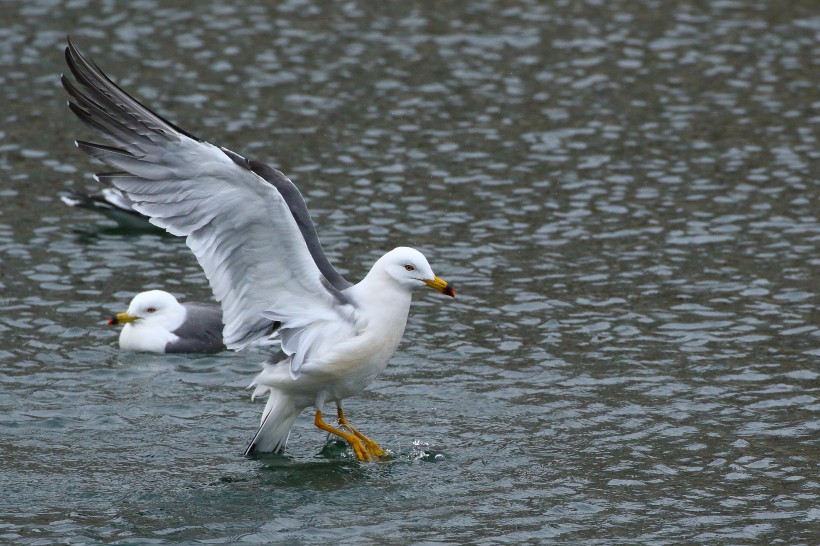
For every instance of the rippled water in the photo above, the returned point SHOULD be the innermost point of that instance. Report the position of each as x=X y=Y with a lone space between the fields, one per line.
x=625 y=195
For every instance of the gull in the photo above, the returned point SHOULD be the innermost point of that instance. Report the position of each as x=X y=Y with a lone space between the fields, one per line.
x=156 y=322
x=250 y=230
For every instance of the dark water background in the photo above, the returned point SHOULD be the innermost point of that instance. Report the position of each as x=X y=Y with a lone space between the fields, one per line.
x=625 y=195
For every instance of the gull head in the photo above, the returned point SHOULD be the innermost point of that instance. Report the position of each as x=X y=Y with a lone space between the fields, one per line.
x=410 y=268
x=157 y=306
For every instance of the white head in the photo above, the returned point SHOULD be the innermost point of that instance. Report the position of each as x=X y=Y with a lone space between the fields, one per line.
x=410 y=268
x=150 y=321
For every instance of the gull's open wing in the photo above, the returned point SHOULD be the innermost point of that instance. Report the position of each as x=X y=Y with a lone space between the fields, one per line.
x=255 y=242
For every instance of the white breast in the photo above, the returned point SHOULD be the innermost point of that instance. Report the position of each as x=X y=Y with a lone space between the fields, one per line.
x=145 y=337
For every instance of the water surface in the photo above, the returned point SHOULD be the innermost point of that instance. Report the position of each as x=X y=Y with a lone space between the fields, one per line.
x=625 y=195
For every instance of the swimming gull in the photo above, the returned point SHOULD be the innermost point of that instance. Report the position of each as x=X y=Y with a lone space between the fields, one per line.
x=157 y=323
x=251 y=233
x=112 y=204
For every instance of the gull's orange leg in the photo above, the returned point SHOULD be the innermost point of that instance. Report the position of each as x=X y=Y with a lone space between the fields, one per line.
x=372 y=447
x=358 y=447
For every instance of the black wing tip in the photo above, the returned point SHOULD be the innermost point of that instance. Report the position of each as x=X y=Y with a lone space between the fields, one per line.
x=78 y=111
x=89 y=75
x=72 y=56
x=107 y=177
x=72 y=52
x=89 y=147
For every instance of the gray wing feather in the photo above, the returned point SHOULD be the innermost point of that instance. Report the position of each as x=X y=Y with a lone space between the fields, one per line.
x=201 y=332
x=298 y=208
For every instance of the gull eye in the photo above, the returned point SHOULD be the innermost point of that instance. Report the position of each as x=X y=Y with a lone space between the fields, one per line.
x=151 y=309
x=409 y=267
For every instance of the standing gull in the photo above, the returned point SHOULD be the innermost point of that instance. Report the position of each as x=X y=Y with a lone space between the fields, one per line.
x=251 y=232
x=157 y=323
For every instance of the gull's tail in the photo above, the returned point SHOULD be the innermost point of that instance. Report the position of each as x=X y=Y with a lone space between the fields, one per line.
x=277 y=420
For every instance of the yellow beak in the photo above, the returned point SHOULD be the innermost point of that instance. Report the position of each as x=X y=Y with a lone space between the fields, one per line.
x=441 y=285
x=122 y=318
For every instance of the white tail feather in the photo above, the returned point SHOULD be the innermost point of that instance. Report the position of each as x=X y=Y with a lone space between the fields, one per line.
x=277 y=420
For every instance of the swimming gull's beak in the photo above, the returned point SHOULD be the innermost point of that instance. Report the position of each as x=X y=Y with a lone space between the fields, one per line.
x=122 y=318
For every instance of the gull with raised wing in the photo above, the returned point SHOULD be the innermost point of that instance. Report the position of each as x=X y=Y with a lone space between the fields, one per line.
x=251 y=232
